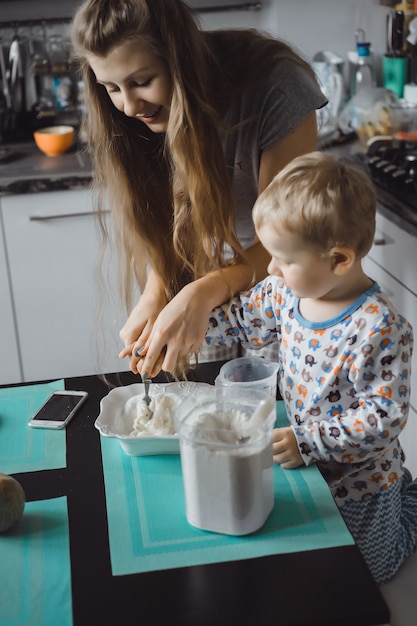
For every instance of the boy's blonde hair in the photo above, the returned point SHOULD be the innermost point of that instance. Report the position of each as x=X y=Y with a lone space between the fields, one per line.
x=325 y=201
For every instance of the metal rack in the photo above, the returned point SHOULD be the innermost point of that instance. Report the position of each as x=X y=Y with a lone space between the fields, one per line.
x=16 y=24
x=244 y=6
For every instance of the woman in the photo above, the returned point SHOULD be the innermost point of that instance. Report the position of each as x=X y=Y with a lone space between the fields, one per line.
x=186 y=127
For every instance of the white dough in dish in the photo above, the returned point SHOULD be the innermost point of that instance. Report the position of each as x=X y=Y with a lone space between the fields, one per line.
x=161 y=424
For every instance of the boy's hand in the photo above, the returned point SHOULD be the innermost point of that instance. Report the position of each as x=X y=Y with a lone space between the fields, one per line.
x=285 y=448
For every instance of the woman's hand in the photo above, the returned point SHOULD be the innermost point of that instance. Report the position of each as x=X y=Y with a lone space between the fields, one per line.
x=285 y=448
x=139 y=324
x=181 y=325
x=137 y=329
x=178 y=330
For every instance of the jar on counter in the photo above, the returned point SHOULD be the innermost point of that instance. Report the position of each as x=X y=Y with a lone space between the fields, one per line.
x=227 y=459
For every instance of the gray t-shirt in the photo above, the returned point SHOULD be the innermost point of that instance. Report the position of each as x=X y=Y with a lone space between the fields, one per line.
x=264 y=116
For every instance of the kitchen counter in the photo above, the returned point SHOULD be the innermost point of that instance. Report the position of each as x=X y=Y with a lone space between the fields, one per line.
x=25 y=169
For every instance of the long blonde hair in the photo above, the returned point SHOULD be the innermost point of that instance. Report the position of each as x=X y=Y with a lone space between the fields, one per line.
x=170 y=195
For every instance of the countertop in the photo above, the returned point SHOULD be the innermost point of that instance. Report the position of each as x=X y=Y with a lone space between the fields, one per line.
x=25 y=169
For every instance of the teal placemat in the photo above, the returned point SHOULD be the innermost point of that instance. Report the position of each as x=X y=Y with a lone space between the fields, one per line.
x=148 y=529
x=35 y=572
x=25 y=449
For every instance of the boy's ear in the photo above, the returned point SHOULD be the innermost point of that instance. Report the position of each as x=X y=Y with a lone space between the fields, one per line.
x=342 y=259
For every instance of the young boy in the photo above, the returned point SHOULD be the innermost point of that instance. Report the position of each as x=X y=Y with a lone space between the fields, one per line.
x=344 y=350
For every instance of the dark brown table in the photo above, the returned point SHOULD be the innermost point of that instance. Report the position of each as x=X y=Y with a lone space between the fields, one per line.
x=327 y=587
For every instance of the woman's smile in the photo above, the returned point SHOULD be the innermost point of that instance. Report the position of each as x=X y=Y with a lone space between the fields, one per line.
x=151 y=117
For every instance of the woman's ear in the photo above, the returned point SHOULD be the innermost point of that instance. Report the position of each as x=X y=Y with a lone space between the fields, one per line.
x=342 y=259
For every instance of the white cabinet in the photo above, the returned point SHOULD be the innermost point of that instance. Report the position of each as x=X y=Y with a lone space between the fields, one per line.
x=392 y=262
x=10 y=370
x=53 y=247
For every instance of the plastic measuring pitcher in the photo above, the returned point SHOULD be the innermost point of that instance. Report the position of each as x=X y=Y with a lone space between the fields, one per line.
x=250 y=372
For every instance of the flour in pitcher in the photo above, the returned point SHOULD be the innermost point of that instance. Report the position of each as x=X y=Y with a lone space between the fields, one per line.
x=228 y=472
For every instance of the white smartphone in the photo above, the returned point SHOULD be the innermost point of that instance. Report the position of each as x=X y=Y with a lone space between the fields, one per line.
x=59 y=409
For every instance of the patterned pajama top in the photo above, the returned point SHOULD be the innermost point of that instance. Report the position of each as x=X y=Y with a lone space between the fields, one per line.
x=345 y=381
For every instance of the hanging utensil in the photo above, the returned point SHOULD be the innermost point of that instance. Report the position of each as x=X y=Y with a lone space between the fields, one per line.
x=6 y=103
x=21 y=80
x=390 y=29
x=13 y=72
x=398 y=33
x=5 y=82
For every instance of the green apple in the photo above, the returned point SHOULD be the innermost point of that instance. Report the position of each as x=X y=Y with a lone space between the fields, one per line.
x=12 y=502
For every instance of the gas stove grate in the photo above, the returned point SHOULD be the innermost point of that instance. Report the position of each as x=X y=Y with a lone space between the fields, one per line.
x=392 y=166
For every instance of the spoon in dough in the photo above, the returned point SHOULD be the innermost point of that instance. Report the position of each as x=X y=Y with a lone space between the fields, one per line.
x=146 y=380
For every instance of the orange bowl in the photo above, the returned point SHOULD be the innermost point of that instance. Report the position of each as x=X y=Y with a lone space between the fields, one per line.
x=54 y=140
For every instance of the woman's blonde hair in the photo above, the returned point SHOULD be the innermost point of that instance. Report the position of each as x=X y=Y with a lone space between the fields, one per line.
x=322 y=199
x=170 y=195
